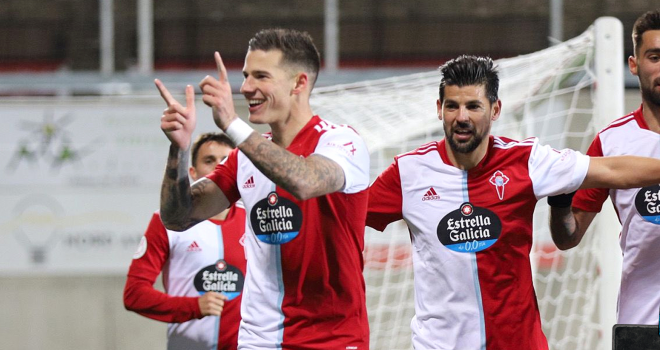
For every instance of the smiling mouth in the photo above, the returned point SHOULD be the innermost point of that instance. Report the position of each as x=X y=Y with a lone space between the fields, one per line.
x=254 y=103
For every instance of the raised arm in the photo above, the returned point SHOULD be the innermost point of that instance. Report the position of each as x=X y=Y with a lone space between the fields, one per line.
x=182 y=206
x=304 y=178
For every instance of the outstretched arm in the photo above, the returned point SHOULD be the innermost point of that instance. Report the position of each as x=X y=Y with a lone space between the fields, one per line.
x=182 y=206
x=302 y=177
x=622 y=172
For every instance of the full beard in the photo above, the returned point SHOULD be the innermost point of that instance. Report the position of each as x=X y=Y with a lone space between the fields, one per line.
x=468 y=146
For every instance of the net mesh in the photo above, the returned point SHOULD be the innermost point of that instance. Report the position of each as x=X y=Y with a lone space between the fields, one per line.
x=548 y=94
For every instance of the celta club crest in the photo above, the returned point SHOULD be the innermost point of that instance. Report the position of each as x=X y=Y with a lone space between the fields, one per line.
x=499 y=180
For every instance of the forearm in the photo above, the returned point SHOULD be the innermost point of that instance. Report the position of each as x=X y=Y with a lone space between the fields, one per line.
x=142 y=298
x=622 y=172
x=563 y=228
x=302 y=177
x=176 y=194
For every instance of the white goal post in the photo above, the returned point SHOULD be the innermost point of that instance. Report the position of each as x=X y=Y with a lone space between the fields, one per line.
x=562 y=95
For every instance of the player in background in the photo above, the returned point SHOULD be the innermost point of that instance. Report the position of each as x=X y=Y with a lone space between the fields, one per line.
x=638 y=208
x=469 y=200
x=304 y=185
x=203 y=268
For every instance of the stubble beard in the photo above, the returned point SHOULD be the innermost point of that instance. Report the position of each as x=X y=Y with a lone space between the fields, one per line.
x=648 y=93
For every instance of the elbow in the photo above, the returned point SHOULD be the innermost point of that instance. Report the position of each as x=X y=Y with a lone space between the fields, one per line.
x=302 y=193
x=566 y=245
x=129 y=301
x=174 y=225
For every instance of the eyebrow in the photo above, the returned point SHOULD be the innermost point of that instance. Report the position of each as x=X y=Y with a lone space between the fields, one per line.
x=653 y=50
x=263 y=72
x=475 y=101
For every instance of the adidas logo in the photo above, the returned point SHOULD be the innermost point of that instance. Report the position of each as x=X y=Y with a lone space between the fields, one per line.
x=431 y=195
x=249 y=183
x=194 y=247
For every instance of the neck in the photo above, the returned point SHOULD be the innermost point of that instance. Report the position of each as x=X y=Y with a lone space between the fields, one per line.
x=651 y=113
x=285 y=131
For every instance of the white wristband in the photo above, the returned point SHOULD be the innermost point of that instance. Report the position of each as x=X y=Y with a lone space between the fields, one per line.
x=238 y=131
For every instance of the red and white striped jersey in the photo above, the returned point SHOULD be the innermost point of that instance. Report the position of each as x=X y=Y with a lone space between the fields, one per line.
x=471 y=235
x=638 y=210
x=304 y=287
x=207 y=257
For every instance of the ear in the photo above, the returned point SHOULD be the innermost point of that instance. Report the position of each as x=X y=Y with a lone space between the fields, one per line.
x=496 y=109
x=438 y=107
x=632 y=65
x=301 y=83
x=193 y=173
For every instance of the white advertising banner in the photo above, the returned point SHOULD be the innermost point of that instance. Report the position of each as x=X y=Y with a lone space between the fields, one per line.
x=79 y=180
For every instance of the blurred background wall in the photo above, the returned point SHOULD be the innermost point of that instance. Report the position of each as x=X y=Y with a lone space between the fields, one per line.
x=64 y=34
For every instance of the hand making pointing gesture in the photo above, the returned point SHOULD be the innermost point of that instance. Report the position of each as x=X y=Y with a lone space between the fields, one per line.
x=178 y=122
x=218 y=96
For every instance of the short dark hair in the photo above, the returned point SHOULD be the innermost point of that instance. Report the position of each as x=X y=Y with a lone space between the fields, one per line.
x=222 y=139
x=297 y=48
x=648 y=21
x=468 y=70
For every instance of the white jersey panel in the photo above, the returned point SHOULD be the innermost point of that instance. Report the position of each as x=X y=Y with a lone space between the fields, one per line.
x=261 y=325
x=452 y=303
x=639 y=299
x=189 y=251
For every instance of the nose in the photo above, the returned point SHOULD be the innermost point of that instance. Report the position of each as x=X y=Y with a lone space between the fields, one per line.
x=463 y=114
x=247 y=87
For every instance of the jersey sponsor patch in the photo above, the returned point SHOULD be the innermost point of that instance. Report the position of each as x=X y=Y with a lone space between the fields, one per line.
x=276 y=220
x=221 y=278
x=141 y=249
x=469 y=229
x=647 y=203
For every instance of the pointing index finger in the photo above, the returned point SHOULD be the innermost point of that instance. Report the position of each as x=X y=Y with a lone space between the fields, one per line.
x=164 y=93
x=222 y=71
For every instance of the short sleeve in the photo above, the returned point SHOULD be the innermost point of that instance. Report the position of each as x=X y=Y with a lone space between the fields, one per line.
x=344 y=146
x=224 y=176
x=592 y=199
x=554 y=171
x=385 y=199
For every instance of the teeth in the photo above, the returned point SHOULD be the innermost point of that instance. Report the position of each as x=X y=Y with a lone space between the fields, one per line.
x=255 y=102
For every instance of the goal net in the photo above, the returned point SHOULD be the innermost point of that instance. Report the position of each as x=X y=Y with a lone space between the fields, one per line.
x=549 y=94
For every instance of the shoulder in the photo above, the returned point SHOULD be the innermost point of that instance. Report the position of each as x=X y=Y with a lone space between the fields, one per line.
x=622 y=125
x=322 y=126
x=505 y=143
x=419 y=151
